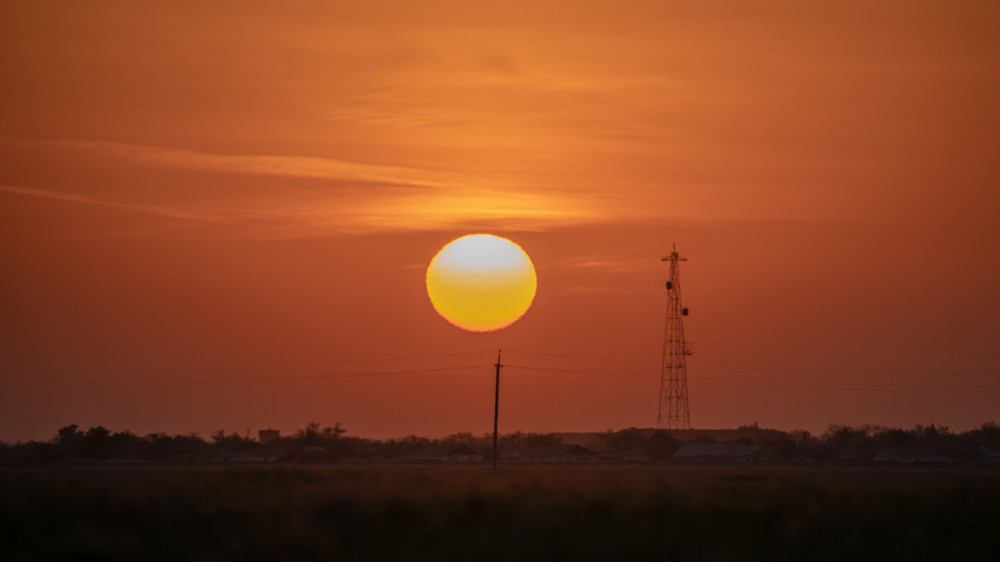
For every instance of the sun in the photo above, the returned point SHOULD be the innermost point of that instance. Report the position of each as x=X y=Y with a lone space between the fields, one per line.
x=481 y=282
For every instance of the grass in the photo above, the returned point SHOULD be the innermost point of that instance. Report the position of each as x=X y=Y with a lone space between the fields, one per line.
x=523 y=512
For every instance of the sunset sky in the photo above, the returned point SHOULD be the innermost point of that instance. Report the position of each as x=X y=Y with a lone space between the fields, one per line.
x=219 y=215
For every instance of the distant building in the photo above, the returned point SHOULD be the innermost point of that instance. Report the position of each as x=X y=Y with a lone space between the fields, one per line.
x=714 y=452
x=637 y=454
x=505 y=453
x=562 y=454
x=909 y=455
x=446 y=454
x=990 y=455
x=266 y=436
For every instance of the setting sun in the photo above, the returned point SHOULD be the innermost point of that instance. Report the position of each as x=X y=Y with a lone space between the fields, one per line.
x=481 y=282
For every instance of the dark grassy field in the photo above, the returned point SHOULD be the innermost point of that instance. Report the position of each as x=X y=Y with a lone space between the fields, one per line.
x=522 y=513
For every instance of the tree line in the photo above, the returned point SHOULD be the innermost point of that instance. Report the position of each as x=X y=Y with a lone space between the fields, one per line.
x=316 y=442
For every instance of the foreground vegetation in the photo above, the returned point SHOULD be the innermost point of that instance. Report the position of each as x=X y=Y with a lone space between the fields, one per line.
x=521 y=513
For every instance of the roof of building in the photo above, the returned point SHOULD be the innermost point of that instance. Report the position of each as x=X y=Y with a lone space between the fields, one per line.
x=506 y=451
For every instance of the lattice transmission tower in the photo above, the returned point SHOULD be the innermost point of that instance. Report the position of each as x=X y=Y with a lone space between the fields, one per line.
x=673 y=412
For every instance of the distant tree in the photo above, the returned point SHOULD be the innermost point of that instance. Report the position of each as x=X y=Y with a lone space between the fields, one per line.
x=68 y=434
x=625 y=439
x=661 y=445
x=315 y=435
x=309 y=436
x=895 y=437
x=409 y=444
x=333 y=433
x=316 y=442
x=705 y=437
x=231 y=442
x=158 y=447
x=975 y=444
x=782 y=445
x=34 y=452
x=68 y=440
x=525 y=442
x=991 y=431
x=986 y=435
x=162 y=447
x=855 y=443
x=97 y=443
x=461 y=438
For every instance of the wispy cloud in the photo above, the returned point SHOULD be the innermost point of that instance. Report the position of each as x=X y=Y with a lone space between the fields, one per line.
x=77 y=198
x=271 y=165
x=610 y=265
x=403 y=198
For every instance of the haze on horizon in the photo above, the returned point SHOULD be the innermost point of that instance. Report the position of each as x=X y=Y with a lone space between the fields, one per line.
x=186 y=187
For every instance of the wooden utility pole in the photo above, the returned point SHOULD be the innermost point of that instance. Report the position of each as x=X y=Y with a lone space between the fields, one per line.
x=496 y=412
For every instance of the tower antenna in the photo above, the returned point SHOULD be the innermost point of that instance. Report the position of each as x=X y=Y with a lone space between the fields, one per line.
x=673 y=412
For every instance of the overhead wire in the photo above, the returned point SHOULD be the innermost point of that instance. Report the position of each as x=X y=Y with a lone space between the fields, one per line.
x=804 y=385
x=811 y=384
x=239 y=368
x=847 y=372
x=792 y=385
x=562 y=355
x=765 y=369
x=196 y=382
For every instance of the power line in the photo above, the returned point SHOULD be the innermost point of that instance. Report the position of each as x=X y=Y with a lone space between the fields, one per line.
x=759 y=383
x=198 y=382
x=804 y=385
x=754 y=383
x=483 y=351
x=840 y=384
x=839 y=372
x=769 y=369
x=583 y=357
x=237 y=368
x=815 y=386
x=580 y=372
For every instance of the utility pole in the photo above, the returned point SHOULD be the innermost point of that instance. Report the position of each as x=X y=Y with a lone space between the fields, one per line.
x=496 y=412
x=673 y=412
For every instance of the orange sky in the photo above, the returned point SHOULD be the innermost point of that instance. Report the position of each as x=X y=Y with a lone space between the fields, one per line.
x=192 y=186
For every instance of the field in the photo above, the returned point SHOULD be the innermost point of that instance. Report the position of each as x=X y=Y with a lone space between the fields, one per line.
x=520 y=513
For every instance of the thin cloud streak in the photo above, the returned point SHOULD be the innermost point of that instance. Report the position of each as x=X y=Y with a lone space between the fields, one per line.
x=76 y=198
x=271 y=165
x=609 y=265
x=408 y=199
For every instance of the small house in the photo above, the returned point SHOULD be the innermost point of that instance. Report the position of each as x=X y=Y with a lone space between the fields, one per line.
x=266 y=436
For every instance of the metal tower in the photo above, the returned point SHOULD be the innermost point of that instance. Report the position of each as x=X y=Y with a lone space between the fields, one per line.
x=673 y=412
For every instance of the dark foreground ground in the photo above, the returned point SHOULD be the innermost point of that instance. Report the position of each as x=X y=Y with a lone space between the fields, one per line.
x=522 y=513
